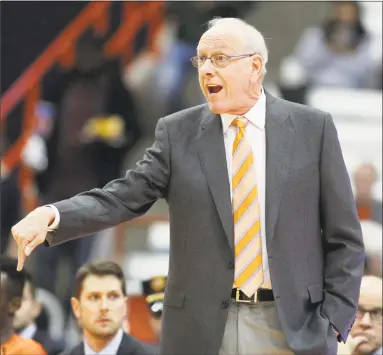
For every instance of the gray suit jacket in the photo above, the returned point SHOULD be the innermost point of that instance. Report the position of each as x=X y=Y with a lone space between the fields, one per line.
x=314 y=241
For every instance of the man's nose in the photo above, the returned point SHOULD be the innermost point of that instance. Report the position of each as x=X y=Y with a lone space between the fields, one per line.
x=366 y=320
x=207 y=68
x=104 y=303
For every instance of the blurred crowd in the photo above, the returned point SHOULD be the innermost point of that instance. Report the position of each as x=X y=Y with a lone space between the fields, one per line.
x=338 y=53
x=89 y=124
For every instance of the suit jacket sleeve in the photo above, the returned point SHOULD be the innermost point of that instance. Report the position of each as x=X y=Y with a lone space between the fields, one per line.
x=120 y=200
x=343 y=244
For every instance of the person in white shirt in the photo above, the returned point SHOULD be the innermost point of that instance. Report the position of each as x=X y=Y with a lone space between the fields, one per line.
x=99 y=303
x=266 y=252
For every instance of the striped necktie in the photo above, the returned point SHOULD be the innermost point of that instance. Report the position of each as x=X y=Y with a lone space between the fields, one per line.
x=247 y=228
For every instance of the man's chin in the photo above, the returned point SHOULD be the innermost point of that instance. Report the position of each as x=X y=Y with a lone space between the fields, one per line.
x=105 y=332
x=216 y=107
x=365 y=348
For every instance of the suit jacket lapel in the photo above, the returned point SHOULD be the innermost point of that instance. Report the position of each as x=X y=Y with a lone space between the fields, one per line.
x=127 y=346
x=78 y=349
x=211 y=152
x=279 y=148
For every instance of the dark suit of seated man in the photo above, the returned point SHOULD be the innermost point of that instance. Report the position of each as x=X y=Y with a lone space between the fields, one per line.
x=99 y=304
x=26 y=316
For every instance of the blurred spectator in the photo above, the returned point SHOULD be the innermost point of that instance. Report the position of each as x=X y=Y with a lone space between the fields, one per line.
x=89 y=121
x=365 y=177
x=10 y=206
x=339 y=53
x=372 y=239
x=154 y=291
x=12 y=285
x=34 y=156
x=366 y=334
x=189 y=19
x=99 y=303
x=25 y=318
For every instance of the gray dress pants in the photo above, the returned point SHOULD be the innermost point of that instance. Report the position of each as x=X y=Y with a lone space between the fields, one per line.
x=254 y=329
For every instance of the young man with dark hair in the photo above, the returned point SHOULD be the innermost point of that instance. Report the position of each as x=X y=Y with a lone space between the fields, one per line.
x=12 y=285
x=24 y=322
x=99 y=304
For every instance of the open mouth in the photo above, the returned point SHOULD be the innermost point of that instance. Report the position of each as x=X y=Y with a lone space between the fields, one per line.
x=214 y=89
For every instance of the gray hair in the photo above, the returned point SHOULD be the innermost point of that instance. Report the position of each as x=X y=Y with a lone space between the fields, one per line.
x=254 y=39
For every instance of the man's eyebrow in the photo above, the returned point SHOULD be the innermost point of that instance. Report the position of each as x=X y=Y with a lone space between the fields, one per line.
x=368 y=309
x=93 y=293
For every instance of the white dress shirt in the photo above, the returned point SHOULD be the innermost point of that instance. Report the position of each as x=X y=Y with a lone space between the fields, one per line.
x=256 y=136
x=29 y=331
x=110 y=349
x=55 y=224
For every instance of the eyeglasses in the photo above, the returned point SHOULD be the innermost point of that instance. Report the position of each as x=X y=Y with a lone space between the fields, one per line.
x=218 y=60
x=375 y=314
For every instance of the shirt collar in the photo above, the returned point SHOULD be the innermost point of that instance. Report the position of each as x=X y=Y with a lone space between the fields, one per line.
x=256 y=115
x=29 y=331
x=110 y=349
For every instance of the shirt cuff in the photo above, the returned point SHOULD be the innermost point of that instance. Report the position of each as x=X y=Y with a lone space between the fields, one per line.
x=338 y=336
x=55 y=224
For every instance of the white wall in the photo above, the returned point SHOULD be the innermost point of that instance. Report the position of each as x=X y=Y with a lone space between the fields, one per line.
x=358 y=118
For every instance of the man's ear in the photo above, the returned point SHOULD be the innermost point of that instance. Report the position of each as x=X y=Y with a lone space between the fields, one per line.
x=75 y=306
x=258 y=64
x=125 y=323
x=14 y=305
x=37 y=309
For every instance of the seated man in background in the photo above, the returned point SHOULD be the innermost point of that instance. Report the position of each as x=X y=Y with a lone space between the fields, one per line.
x=154 y=291
x=365 y=177
x=25 y=318
x=99 y=303
x=12 y=285
x=366 y=333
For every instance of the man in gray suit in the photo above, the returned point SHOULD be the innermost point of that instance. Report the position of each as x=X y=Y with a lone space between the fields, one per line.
x=266 y=252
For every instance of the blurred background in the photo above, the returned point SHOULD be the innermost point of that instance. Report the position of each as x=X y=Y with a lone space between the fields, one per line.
x=83 y=85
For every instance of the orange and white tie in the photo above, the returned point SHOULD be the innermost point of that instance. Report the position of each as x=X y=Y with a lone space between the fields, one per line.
x=247 y=229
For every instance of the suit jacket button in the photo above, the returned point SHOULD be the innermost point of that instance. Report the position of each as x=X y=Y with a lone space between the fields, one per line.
x=224 y=304
x=231 y=264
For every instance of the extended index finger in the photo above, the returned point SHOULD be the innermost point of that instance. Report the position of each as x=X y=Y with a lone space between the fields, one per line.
x=21 y=253
x=20 y=258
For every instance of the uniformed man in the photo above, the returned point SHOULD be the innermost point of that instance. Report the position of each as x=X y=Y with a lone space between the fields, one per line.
x=154 y=290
